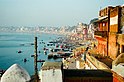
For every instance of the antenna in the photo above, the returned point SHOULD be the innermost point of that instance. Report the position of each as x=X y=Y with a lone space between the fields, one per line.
x=35 y=60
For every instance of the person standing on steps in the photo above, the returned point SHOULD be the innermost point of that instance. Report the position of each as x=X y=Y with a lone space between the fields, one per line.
x=85 y=54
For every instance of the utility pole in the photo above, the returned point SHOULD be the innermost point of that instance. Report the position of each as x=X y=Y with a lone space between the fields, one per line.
x=35 y=60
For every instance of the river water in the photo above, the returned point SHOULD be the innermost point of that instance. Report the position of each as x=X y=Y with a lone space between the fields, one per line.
x=11 y=43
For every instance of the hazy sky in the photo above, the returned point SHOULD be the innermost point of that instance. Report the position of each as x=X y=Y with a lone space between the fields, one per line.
x=51 y=12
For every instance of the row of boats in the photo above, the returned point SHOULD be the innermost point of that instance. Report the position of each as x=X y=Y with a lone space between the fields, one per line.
x=54 y=49
x=58 y=50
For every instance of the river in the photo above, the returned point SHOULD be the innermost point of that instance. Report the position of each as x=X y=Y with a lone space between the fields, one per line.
x=11 y=43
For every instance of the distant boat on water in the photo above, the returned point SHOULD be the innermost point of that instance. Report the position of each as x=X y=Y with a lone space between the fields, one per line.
x=32 y=43
x=22 y=44
x=25 y=60
x=41 y=61
x=19 y=51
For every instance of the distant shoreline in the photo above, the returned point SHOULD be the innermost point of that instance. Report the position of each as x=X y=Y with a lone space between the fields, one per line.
x=34 y=32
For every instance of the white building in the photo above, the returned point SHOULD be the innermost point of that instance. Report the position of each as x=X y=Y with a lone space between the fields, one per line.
x=51 y=72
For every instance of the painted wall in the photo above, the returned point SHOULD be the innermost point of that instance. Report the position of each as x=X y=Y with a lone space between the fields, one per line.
x=51 y=75
x=113 y=48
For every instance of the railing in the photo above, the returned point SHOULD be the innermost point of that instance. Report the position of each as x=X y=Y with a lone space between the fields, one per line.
x=101 y=33
x=96 y=64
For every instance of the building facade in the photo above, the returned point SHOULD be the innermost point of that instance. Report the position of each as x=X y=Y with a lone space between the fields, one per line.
x=110 y=27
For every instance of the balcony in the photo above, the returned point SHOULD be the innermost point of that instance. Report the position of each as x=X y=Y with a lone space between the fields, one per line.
x=101 y=33
x=120 y=39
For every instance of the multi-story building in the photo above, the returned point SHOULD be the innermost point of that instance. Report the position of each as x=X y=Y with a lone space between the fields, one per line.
x=110 y=38
x=92 y=28
x=82 y=31
x=110 y=23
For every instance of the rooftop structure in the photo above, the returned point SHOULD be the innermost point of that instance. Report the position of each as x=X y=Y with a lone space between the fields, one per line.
x=51 y=72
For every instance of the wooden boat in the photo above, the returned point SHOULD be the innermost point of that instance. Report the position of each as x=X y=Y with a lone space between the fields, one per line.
x=50 y=56
x=19 y=51
x=41 y=61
